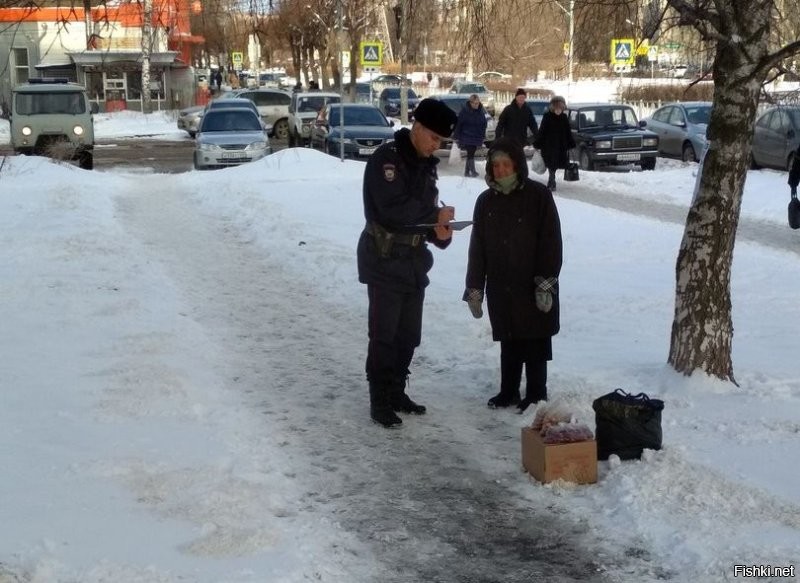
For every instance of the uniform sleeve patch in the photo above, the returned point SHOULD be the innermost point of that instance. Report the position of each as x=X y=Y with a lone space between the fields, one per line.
x=389 y=172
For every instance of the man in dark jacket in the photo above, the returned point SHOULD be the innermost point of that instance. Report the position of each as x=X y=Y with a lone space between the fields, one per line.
x=515 y=253
x=515 y=120
x=555 y=139
x=401 y=206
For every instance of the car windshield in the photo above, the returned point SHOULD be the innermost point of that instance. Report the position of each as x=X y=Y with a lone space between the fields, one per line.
x=699 y=114
x=234 y=103
x=230 y=121
x=538 y=107
x=455 y=104
x=472 y=88
x=45 y=103
x=394 y=93
x=607 y=117
x=358 y=116
x=315 y=102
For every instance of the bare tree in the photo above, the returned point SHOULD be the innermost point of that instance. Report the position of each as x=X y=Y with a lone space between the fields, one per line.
x=747 y=49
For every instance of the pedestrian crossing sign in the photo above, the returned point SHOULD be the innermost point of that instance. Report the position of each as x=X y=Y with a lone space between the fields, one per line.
x=371 y=54
x=622 y=51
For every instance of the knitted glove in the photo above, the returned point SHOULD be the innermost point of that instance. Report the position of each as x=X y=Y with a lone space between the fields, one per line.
x=474 y=299
x=545 y=288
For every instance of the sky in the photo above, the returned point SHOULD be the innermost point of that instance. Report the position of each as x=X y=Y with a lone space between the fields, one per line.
x=183 y=395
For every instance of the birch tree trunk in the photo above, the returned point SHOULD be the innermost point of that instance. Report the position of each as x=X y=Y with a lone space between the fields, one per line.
x=147 y=47
x=702 y=329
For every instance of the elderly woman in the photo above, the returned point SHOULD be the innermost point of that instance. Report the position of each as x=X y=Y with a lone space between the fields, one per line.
x=555 y=139
x=515 y=258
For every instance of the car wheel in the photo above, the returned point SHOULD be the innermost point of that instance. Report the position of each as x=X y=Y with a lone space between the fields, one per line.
x=585 y=161
x=689 y=153
x=86 y=161
x=281 y=129
x=649 y=164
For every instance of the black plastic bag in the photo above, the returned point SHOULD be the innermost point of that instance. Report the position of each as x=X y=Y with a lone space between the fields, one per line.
x=627 y=424
x=794 y=212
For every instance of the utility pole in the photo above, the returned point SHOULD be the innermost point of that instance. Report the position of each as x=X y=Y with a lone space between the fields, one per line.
x=340 y=56
x=400 y=16
x=147 y=47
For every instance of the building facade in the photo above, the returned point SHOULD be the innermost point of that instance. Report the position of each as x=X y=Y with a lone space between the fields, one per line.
x=102 y=49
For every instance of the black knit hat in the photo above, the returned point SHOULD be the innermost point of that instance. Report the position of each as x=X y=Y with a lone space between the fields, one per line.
x=436 y=116
x=520 y=91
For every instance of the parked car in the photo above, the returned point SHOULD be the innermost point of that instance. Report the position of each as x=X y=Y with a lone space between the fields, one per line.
x=229 y=137
x=493 y=76
x=362 y=129
x=456 y=101
x=390 y=79
x=389 y=101
x=776 y=138
x=681 y=129
x=363 y=93
x=538 y=107
x=273 y=106
x=234 y=103
x=304 y=108
x=610 y=134
x=470 y=87
x=189 y=119
x=274 y=80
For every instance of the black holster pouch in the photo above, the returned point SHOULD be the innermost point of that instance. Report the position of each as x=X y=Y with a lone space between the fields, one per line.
x=383 y=239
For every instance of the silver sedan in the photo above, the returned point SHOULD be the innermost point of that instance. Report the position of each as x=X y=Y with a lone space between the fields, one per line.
x=229 y=137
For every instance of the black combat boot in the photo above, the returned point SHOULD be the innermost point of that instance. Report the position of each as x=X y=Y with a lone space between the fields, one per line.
x=503 y=399
x=402 y=402
x=380 y=408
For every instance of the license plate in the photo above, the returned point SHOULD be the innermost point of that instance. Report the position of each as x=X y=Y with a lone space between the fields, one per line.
x=628 y=157
x=366 y=151
x=232 y=155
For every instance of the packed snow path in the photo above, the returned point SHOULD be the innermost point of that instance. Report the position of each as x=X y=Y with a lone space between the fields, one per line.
x=419 y=498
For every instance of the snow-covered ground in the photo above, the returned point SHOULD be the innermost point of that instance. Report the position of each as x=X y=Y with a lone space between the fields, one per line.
x=183 y=394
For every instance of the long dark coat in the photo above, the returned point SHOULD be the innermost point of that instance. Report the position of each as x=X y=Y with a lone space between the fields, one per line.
x=514 y=122
x=515 y=238
x=471 y=127
x=399 y=192
x=555 y=140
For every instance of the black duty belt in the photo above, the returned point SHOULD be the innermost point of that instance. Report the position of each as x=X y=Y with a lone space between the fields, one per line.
x=412 y=239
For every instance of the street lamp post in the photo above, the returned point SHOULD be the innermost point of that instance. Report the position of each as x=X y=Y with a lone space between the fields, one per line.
x=570 y=12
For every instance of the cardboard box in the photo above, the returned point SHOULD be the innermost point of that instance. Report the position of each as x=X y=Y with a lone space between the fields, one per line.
x=574 y=462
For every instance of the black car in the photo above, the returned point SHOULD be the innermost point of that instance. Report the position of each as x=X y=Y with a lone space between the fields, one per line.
x=389 y=101
x=362 y=130
x=610 y=134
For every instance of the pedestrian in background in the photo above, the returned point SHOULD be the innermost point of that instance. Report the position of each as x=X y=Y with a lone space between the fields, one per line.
x=516 y=119
x=555 y=139
x=515 y=259
x=401 y=202
x=470 y=131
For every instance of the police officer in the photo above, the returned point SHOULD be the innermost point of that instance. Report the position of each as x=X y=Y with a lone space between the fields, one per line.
x=402 y=211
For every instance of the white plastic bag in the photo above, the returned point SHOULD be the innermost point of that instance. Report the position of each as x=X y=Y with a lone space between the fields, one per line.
x=455 y=154
x=537 y=162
